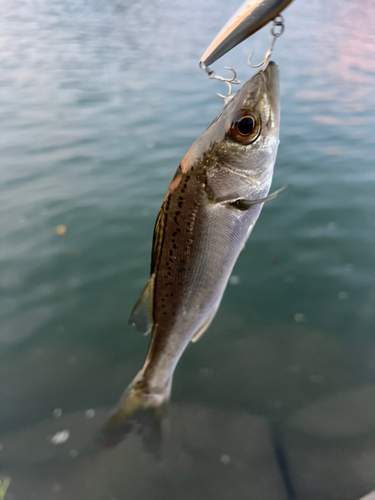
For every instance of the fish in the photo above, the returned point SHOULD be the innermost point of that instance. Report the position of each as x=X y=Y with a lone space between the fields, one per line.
x=208 y=213
x=247 y=20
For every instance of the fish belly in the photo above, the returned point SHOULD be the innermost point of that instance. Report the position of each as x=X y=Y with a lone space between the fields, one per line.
x=200 y=245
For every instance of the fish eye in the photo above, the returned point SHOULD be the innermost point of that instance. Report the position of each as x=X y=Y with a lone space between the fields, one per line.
x=245 y=128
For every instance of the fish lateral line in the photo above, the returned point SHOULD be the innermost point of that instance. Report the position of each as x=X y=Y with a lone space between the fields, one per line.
x=243 y=204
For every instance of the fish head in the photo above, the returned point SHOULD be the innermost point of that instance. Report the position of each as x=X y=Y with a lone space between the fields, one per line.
x=252 y=122
x=245 y=135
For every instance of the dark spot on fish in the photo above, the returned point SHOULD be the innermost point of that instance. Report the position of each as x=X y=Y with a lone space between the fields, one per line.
x=168 y=203
x=178 y=213
x=180 y=204
x=163 y=305
x=174 y=234
x=165 y=313
x=170 y=260
x=175 y=219
x=182 y=190
x=171 y=252
x=169 y=274
x=187 y=177
x=173 y=241
x=185 y=186
x=178 y=229
x=175 y=246
x=181 y=198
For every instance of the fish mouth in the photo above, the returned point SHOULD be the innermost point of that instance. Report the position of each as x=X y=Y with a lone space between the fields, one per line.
x=272 y=82
x=264 y=83
x=272 y=73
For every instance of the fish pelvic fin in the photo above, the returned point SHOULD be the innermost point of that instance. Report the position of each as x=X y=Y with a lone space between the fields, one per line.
x=198 y=334
x=141 y=315
x=139 y=412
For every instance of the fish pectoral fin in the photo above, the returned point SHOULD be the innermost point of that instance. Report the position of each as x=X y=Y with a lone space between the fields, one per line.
x=198 y=334
x=141 y=315
x=242 y=204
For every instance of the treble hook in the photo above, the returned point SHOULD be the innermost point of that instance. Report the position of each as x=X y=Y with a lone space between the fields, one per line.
x=278 y=22
x=225 y=97
x=266 y=59
x=213 y=76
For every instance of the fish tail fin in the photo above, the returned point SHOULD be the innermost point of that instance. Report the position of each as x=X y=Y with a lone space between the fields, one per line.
x=139 y=411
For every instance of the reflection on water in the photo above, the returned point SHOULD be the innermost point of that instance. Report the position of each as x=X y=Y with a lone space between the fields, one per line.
x=99 y=103
x=355 y=49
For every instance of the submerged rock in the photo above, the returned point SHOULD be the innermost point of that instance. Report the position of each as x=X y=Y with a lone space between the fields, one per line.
x=330 y=446
x=344 y=414
x=207 y=453
x=272 y=371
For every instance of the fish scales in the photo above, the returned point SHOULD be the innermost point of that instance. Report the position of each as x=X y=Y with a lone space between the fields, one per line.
x=194 y=260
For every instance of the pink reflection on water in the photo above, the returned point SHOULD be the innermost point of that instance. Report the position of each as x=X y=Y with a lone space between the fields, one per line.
x=333 y=120
x=343 y=64
x=352 y=38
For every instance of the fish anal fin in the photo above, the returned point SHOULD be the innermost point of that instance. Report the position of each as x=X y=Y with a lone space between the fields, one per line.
x=198 y=334
x=141 y=315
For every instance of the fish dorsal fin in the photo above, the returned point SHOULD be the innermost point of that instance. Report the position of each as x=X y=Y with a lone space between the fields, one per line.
x=198 y=334
x=141 y=316
x=158 y=235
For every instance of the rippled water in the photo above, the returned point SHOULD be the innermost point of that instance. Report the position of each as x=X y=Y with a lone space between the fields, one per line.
x=99 y=102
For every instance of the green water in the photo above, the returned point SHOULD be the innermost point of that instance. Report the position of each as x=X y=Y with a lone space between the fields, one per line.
x=99 y=101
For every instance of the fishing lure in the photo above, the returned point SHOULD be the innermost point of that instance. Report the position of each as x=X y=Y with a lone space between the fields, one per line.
x=249 y=18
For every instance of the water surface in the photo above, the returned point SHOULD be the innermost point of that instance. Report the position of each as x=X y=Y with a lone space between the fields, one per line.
x=99 y=102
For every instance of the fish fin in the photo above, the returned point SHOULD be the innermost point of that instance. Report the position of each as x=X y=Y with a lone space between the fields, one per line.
x=246 y=204
x=198 y=334
x=138 y=412
x=158 y=237
x=141 y=315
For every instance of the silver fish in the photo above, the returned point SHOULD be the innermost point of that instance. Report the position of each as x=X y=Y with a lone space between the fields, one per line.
x=249 y=18
x=210 y=209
